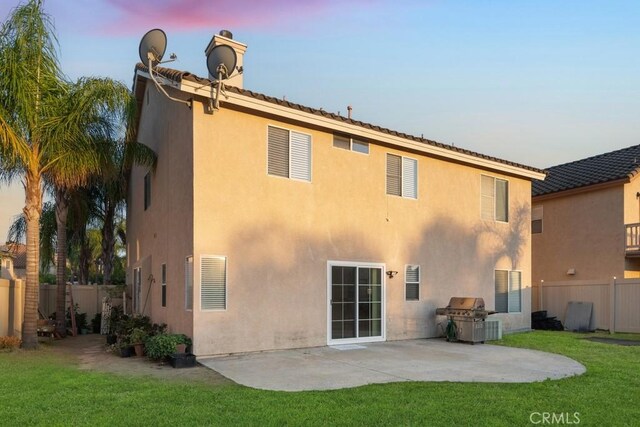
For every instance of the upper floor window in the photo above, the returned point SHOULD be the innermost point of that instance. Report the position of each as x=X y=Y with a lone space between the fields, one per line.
x=347 y=143
x=289 y=154
x=536 y=220
x=495 y=199
x=402 y=176
x=147 y=190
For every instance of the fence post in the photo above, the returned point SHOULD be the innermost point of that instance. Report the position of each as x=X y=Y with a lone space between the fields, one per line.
x=612 y=305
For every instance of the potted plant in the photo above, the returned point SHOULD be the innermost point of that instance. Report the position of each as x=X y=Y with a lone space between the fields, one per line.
x=182 y=342
x=137 y=337
x=126 y=350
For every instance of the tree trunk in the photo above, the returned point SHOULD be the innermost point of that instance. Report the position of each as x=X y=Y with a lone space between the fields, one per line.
x=62 y=210
x=84 y=257
x=108 y=244
x=32 y=212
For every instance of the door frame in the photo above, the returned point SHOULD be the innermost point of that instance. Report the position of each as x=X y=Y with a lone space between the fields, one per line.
x=383 y=294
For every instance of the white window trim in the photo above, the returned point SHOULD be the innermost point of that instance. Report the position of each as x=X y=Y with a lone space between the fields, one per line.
x=226 y=284
x=495 y=178
x=419 y=282
x=508 y=286
x=351 y=140
x=193 y=281
x=401 y=179
x=383 y=293
x=310 y=154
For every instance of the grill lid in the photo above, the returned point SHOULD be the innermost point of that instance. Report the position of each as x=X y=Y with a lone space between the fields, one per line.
x=466 y=303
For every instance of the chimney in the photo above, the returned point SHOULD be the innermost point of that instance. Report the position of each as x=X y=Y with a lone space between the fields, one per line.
x=225 y=37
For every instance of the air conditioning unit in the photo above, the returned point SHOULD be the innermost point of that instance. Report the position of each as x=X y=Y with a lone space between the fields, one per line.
x=493 y=329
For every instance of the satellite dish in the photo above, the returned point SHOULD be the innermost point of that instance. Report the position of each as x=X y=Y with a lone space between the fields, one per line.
x=154 y=43
x=221 y=61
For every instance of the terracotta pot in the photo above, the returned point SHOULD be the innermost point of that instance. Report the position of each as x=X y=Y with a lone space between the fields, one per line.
x=139 y=349
x=181 y=348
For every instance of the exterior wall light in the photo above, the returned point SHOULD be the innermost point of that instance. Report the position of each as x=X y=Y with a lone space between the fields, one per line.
x=391 y=273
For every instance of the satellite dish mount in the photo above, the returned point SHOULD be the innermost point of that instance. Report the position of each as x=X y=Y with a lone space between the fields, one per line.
x=221 y=62
x=151 y=50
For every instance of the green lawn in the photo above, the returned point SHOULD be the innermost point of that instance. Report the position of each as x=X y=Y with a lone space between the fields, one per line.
x=40 y=388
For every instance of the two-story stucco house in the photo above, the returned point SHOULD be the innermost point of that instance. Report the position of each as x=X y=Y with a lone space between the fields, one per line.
x=586 y=219
x=270 y=225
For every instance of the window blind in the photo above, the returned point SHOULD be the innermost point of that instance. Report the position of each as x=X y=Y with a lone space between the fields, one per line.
x=278 y=152
x=213 y=283
x=394 y=181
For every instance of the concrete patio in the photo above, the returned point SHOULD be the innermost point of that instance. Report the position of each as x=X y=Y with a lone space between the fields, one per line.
x=335 y=367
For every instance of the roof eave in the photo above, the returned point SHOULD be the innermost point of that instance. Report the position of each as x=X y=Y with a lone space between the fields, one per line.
x=237 y=99
x=579 y=190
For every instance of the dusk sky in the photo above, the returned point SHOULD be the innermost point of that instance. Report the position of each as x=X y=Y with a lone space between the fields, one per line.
x=536 y=82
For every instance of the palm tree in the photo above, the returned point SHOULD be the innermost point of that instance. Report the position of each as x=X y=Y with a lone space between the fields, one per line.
x=29 y=78
x=93 y=112
x=39 y=130
x=111 y=192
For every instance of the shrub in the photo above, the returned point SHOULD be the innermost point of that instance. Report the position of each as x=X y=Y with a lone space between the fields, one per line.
x=10 y=343
x=138 y=336
x=161 y=346
x=96 y=322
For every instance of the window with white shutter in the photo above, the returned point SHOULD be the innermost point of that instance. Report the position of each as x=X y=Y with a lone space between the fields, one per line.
x=515 y=287
x=412 y=282
x=213 y=283
x=494 y=199
x=402 y=176
x=508 y=285
x=288 y=154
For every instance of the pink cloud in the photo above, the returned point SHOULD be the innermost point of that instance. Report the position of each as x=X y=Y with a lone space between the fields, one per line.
x=132 y=16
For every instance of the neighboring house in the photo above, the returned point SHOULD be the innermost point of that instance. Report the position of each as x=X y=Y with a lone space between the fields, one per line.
x=14 y=257
x=270 y=225
x=586 y=219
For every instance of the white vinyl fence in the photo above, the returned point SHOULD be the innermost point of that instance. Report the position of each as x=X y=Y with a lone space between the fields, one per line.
x=616 y=303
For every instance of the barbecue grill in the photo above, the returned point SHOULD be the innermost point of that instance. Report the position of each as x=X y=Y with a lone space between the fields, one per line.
x=466 y=319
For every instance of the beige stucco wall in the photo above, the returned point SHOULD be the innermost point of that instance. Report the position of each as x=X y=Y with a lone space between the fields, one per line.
x=164 y=232
x=583 y=231
x=632 y=216
x=278 y=235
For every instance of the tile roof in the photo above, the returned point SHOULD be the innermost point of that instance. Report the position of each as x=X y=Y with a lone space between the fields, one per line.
x=178 y=76
x=607 y=167
x=18 y=252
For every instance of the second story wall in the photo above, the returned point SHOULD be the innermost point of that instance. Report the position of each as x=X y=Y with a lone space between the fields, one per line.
x=277 y=233
x=160 y=211
x=582 y=232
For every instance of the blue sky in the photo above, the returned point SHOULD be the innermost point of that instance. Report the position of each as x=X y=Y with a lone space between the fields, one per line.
x=536 y=82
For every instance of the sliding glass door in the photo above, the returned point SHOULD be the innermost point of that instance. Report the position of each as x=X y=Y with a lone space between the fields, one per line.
x=355 y=302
